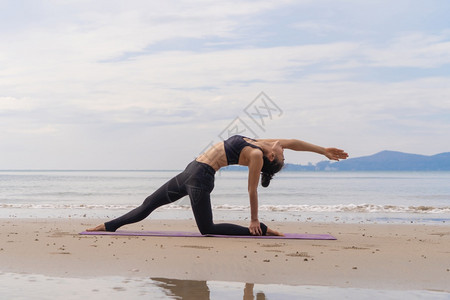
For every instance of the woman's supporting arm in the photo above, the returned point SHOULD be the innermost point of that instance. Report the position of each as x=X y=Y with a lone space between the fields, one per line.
x=254 y=169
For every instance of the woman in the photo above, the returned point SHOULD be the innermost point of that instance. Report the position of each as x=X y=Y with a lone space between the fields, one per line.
x=263 y=157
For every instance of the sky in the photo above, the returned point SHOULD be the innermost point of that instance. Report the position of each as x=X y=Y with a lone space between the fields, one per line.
x=150 y=84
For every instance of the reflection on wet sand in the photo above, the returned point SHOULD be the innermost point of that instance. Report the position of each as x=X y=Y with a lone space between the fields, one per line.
x=248 y=293
x=24 y=286
x=198 y=289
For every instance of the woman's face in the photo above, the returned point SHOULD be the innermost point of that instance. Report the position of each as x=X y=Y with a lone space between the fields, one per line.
x=278 y=151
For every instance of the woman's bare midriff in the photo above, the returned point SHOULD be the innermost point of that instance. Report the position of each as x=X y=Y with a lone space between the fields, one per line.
x=214 y=156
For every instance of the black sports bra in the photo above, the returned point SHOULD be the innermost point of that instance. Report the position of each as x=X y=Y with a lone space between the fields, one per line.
x=233 y=147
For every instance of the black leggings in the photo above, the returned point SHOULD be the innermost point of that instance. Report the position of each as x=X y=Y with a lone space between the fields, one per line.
x=197 y=181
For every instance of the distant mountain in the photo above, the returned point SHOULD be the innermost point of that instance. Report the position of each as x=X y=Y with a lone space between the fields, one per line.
x=381 y=161
x=390 y=161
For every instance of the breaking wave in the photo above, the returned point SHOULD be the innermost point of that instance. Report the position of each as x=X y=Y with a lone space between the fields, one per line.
x=351 y=208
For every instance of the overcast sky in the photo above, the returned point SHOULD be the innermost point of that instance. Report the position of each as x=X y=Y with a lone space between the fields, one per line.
x=149 y=84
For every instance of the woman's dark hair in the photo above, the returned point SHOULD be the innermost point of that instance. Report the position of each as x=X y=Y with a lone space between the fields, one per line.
x=269 y=169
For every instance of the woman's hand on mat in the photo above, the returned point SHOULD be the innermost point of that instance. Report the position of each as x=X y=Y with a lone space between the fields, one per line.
x=255 y=227
x=335 y=154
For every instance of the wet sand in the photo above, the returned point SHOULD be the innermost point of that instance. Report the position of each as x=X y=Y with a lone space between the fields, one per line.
x=404 y=257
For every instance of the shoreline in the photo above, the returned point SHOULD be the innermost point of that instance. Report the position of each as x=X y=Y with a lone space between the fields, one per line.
x=371 y=256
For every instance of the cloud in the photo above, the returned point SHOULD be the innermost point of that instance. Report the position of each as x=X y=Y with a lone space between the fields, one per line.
x=413 y=50
x=10 y=104
x=112 y=71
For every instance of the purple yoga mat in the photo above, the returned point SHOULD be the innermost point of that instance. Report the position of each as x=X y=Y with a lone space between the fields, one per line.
x=299 y=236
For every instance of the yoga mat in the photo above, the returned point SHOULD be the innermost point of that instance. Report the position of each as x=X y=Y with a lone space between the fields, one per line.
x=299 y=236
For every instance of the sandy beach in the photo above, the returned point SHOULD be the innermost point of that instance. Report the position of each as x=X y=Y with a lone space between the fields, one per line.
x=394 y=257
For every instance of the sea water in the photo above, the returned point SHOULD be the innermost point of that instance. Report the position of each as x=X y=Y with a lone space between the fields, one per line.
x=369 y=197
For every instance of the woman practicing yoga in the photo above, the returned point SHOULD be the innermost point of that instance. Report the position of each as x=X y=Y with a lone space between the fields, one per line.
x=263 y=157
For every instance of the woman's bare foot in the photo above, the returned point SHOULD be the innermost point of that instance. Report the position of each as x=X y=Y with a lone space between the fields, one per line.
x=100 y=227
x=273 y=232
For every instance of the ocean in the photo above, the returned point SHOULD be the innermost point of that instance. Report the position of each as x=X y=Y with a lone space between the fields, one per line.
x=345 y=197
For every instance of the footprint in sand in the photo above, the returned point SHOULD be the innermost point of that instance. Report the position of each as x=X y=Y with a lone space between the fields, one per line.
x=197 y=247
x=299 y=254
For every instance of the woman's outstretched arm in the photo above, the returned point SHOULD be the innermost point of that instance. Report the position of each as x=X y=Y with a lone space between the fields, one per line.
x=298 y=145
